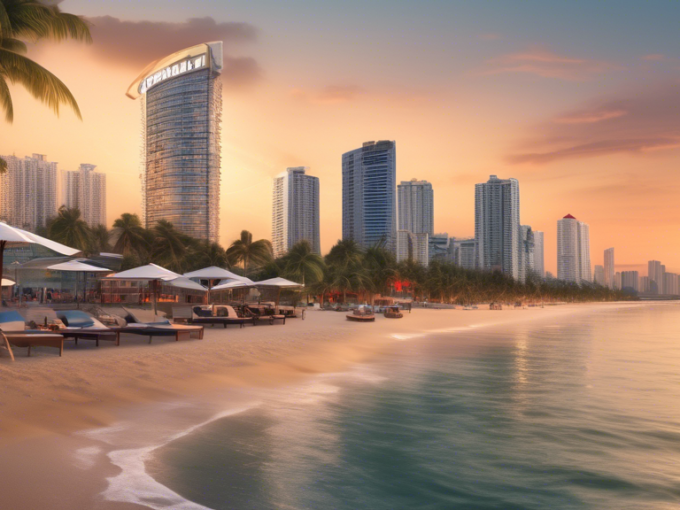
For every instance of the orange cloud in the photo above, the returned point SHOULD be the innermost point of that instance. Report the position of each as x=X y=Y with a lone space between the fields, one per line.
x=329 y=95
x=588 y=117
x=547 y=64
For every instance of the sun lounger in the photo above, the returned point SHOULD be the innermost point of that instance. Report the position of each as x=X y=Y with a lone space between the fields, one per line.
x=13 y=331
x=80 y=325
x=161 y=327
x=218 y=314
x=260 y=315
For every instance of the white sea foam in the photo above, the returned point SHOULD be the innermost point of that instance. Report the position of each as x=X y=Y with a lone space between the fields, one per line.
x=86 y=458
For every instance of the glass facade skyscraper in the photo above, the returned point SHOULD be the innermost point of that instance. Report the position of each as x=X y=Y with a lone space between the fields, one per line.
x=181 y=98
x=369 y=204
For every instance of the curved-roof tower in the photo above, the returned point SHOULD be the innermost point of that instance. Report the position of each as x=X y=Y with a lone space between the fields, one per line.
x=181 y=99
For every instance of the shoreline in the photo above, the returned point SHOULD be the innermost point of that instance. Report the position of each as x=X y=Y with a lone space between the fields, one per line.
x=261 y=358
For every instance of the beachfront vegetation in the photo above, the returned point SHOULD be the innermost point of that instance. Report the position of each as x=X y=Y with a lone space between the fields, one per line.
x=33 y=20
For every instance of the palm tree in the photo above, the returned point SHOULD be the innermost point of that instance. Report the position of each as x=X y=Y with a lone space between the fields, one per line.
x=169 y=246
x=204 y=254
x=100 y=239
x=303 y=265
x=70 y=229
x=34 y=20
x=129 y=235
x=247 y=252
x=345 y=253
x=381 y=269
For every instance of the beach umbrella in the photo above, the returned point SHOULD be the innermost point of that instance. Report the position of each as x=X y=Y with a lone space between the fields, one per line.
x=215 y=273
x=278 y=284
x=77 y=266
x=230 y=285
x=152 y=273
x=7 y=283
x=12 y=236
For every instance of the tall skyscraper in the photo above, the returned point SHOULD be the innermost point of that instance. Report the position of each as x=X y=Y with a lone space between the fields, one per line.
x=416 y=206
x=644 y=284
x=295 y=210
x=671 y=284
x=86 y=190
x=539 y=254
x=369 y=205
x=464 y=252
x=609 y=268
x=181 y=98
x=28 y=191
x=412 y=246
x=573 y=250
x=617 y=281
x=630 y=280
x=497 y=226
x=598 y=275
x=527 y=264
x=655 y=274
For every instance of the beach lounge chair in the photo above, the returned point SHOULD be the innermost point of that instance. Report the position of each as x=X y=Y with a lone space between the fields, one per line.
x=160 y=327
x=218 y=314
x=13 y=331
x=80 y=325
x=261 y=315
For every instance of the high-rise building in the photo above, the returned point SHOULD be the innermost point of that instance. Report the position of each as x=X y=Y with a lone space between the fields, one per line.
x=464 y=252
x=497 y=226
x=539 y=254
x=609 y=268
x=369 y=205
x=181 y=98
x=439 y=246
x=671 y=284
x=412 y=246
x=28 y=191
x=617 y=280
x=85 y=189
x=630 y=280
x=295 y=210
x=598 y=275
x=644 y=284
x=416 y=206
x=655 y=274
x=573 y=250
x=527 y=263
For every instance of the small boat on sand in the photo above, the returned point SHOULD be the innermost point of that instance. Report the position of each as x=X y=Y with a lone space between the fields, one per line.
x=361 y=314
x=393 y=312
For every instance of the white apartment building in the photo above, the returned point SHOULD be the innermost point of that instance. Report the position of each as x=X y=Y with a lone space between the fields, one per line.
x=412 y=246
x=655 y=272
x=28 y=191
x=295 y=214
x=85 y=189
x=416 y=206
x=464 y=252
x=598 y=275
x=497 y=226
x=671 y=284
x=539 y=254
x=573 y=250
x=609 y=268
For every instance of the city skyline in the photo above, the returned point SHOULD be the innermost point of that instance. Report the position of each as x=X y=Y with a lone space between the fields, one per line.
x=515 y=70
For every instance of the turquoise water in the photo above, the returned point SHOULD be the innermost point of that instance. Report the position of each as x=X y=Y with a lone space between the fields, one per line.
x=578 y=414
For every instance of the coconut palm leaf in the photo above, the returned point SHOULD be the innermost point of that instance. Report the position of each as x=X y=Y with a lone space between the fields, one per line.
x=70 y=229
x=34 y=20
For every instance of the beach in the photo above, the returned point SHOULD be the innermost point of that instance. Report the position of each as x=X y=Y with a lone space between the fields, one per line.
x=49 y=404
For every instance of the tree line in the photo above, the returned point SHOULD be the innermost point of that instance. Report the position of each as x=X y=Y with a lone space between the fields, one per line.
x=347 y=269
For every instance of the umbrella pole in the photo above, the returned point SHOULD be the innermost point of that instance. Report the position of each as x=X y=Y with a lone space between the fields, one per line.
x=155 y=295
x=209 y=289
x=77 y=302
x=278 y=297
x=2 y=261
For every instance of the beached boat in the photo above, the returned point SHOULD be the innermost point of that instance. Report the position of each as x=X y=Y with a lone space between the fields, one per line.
x=361 y=314
x=393 y=312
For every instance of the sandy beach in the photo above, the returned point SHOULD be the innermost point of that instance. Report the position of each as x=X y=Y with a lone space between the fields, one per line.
x=47 y=402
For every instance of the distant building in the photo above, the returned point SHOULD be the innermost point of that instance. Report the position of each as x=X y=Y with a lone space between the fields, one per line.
x=295 y=215
x=416 y=206
x=28 y=191
x=549 y=275
x=181 y=101
x=439 y=247
x=671 y=284
x=598 y=275
x=369 y=202
x=644 y=284
x=630 y=280
x=85 y=189
x=412 y=246
x=539 y=254
x=527 y=263
x=464 y=252
x=617 y=280
x=656 y=278
x=497 y=226
x=609 y=268
x=573 y=250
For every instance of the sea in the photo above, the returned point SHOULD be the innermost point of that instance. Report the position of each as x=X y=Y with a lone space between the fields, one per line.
x=578 y=412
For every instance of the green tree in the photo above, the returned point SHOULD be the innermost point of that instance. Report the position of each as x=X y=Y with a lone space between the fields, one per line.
x=303 y=265
x=33 y=20
x=205 y=254
x=249 y=253
x=100 y=239
x=129 y=235
x=169 y=246
x=70 y=229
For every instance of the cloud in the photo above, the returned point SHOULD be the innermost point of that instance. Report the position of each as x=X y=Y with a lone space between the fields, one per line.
x=547 y=64
x=331 y=94
x=654 y=57
x=647 y=122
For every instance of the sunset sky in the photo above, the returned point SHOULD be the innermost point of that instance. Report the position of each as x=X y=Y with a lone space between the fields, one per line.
x=578 y=100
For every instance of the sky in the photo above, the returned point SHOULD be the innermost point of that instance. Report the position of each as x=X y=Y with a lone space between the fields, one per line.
x=578 y=100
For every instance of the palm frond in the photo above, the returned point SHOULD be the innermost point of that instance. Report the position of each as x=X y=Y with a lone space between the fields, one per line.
x=34 y=21
x=39 y=82
x=14 y=45
x=3 y=166
x=5 y=24
x=6 y=104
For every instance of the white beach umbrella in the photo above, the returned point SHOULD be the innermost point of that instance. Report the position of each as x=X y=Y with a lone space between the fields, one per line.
x=77 y=266
x=12 y=236
x=7 y=283
x=279 y=283
x=150 y=272
x=215 y=273
x=235 y=285
x=184 y=283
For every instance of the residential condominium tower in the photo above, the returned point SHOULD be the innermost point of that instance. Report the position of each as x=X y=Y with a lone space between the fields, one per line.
x=181 y=98
x=85 y=189
x=573 y=250
x=369 y=205
x=539 y=254
x=295 y=215
x=609 y=268
x=655 y=272
x=497 y=226
x=598 y=275
x=630 y=280
x=28 y=191
x=527 y=263
x=416 y=206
